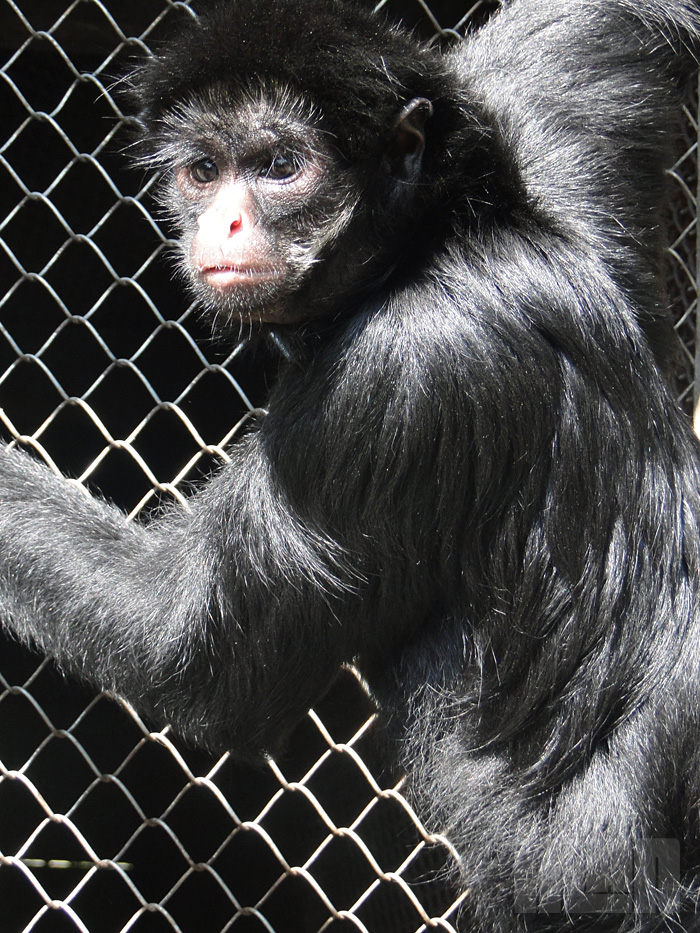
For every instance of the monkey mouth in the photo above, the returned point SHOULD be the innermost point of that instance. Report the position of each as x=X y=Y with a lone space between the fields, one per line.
x=223 y=277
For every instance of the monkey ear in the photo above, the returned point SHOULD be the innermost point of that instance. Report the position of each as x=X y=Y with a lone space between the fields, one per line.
x=404 y=153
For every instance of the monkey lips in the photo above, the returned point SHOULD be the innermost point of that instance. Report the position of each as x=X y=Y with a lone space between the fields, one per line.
x=227 y=277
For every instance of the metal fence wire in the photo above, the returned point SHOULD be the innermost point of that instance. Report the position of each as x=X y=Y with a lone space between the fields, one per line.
x=105 y=826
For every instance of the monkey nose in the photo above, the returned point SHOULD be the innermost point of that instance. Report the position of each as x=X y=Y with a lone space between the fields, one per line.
x=235 y=224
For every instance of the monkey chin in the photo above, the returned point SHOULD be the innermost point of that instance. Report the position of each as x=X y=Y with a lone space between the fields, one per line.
x=249 y=302
x=223 y=278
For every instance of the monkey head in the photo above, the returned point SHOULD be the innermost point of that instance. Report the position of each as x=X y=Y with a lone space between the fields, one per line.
x=289 y=185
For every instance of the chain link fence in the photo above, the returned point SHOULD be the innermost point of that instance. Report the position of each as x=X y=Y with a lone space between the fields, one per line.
x=105 y=826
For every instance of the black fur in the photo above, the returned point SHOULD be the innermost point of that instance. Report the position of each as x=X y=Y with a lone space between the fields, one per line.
x=473 y=480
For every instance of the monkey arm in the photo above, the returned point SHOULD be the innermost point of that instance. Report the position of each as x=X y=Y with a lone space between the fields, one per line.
x=218 y=618
x=590 y=120
x=579 y=109
x=316 y=544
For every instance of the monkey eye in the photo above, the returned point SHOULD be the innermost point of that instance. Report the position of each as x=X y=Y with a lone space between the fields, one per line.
x=280 y=167
x=204 y=171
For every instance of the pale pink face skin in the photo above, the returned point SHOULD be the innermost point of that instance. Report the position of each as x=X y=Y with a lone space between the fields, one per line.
x=235 y=251
x=226 y=250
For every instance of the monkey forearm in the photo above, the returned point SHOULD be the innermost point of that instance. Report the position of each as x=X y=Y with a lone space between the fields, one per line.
x=133 y=608
x=72 y=567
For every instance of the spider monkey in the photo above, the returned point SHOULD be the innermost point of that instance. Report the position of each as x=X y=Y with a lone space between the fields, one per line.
x=473 y=481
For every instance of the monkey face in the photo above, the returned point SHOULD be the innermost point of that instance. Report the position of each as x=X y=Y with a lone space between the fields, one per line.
x=258 y=195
